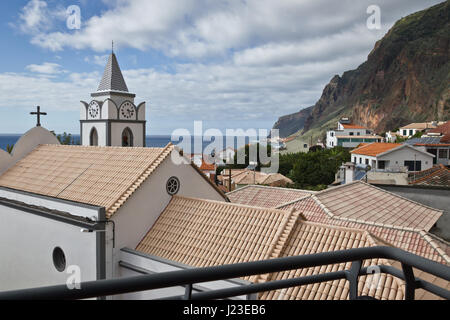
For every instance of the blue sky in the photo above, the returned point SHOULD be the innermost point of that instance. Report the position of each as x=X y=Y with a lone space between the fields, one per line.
x=232 y=64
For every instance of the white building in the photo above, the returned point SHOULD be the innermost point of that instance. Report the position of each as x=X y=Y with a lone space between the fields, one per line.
x=392 y=157
x=413 y=128
x=350 y=135
x=69 y=210
x=112 y=118
x=391 y=136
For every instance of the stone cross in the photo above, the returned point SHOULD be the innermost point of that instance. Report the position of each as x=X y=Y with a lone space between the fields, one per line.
x=38 y=114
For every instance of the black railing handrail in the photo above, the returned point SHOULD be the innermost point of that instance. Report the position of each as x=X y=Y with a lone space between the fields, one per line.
x=188 y=277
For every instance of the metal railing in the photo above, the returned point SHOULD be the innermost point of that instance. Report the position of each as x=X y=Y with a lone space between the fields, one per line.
x=189 y=277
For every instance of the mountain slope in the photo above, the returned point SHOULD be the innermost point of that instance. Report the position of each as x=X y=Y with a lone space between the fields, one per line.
x=406 y=78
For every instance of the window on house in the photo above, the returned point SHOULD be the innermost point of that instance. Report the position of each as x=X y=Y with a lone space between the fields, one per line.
x=367 y=161
x=443 y=153
x=360 y=160
x=381 y=164
x=358 y=133
x=332 y=134
x=351 y=133
x=411 y=132
x=405 y=132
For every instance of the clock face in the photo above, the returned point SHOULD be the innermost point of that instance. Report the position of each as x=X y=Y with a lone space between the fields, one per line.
x=127 y=110
x=93 y=110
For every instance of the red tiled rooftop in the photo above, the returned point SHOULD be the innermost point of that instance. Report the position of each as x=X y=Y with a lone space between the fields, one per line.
x=374 y=149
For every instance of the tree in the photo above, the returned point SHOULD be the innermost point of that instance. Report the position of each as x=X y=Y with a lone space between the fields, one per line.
x=9 y=148
x=247 y=160
x=317 y=169
x=65 y=138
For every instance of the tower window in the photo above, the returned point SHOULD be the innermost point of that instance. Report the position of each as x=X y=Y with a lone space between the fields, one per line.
x=93 y=137
x=127 y=138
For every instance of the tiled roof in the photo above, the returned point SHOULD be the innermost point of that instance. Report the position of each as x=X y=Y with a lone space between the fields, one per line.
x=374 y=149
x=352 y=126
x=204 y=233
x=438 y=175
x=445 y=139
x=102 y=176
x=363 y=202
x=421 y=125
x=442 y=129
x=250 y=177
x=265 y=197
x=415 y=241
x=207 y=166
x=112 y=79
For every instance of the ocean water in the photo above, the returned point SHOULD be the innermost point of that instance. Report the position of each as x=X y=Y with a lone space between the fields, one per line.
x=154 y=141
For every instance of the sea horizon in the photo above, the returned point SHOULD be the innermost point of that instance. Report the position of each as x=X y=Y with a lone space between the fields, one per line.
x=152 y=141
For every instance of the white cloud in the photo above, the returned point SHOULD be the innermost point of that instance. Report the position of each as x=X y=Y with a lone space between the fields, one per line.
x=36 y=18
x=98 y=60
x=243 y=60
x=46 y=68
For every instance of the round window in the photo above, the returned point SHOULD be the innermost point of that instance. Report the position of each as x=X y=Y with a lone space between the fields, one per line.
x=173 y=186
x=59 y=259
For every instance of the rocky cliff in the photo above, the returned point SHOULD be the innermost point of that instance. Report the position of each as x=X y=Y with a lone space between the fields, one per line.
x=406 y=78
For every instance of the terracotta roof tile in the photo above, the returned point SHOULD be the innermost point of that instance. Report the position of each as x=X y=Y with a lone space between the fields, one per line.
x=374 y=149
x=364 y=202
x=438 y=175
x=415 y=241
x=204 y=233
x=101 y=176
x=352 y=126
x=266 y=197
x=443 y=129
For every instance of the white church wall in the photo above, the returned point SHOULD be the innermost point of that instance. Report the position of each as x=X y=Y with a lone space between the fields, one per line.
x=79 y=210
x=140 y=212
x=141 y=112
x=150 y=264
x=27 y=244
x=109 y=110
x=101 y=131
x=117 y=129
x=27 y=143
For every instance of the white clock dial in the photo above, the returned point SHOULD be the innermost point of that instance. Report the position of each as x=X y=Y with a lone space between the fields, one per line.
x=127 y=110
x=93 y=110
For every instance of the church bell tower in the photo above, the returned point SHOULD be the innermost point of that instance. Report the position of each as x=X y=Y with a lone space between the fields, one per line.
x=112 y=118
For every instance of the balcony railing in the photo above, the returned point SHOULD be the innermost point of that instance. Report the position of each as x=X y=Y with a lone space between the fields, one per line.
x=188 y=278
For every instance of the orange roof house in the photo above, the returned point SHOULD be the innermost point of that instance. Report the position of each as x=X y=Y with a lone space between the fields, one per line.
x=375 y=149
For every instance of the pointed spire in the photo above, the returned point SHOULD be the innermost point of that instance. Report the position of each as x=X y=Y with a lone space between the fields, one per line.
x=112 y=77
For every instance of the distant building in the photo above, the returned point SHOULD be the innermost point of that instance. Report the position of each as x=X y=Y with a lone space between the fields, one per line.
x=438 y=146
x=350 y=135
x=244 y=177
x=391 y=136
x=227 y=155
x=392 y=157
x=413 y=128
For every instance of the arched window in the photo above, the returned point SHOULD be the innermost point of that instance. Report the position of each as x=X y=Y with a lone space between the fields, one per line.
x=93 y=138
x=127 y=138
